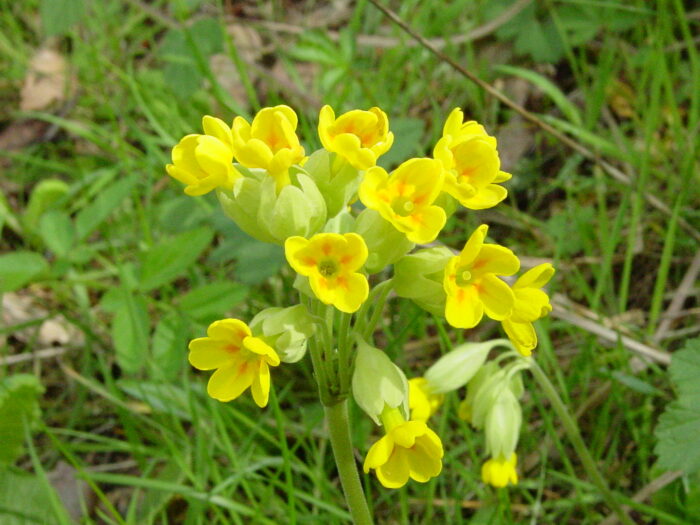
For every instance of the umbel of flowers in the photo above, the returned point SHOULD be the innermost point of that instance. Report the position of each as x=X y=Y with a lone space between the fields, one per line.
x=344 y=221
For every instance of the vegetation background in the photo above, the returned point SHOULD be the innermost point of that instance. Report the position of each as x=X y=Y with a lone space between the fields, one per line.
x=107 y=269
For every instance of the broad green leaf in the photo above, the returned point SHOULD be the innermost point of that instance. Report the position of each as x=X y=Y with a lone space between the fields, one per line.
x=255 y=260
x=679 y=425
x=57 y=231
x=44 y=195
x=169 y=347
x=18 y=405
x=212 y=300
x=685 y=369
x=24 y=499
x=408 y=133
x=92 y=216
x=58 y=16
x=171 y=258
x=550 y=89
x=130 y=329
x=19 y=268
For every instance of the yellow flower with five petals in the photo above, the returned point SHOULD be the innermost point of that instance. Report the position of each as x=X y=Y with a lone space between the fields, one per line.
x=269 y=142
x=358 y=136
x=331 y=261
x=405 y=198
x=473 y=167
x=472 y=285
x=205 y=162
x=241 y=361
x=531 y=303
x=498 y=472
x=409 y=449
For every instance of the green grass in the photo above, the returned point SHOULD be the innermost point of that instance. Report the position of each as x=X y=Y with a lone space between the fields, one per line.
x=150 y=444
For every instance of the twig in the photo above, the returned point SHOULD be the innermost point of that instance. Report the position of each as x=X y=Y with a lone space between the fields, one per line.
x=46 y=353
x=613 y=171
x=561 y=311
x=647 y=491
x=679 y=297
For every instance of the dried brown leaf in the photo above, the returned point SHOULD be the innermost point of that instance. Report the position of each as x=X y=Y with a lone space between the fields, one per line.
x=46 y=81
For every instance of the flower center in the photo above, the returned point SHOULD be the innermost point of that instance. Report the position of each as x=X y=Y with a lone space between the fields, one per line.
x=327 y=267
x=463 y=277
x=402 y=206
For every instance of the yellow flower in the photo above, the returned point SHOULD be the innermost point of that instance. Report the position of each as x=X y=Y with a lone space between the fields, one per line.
x=472 y=285
x=531 y=304
x=405 y=198
x=205 y=162
x=331 y=261
x=498 y=472
x=422 y=402
x=408 y=450
x=241 y=361
x=270 y=142
x=360 y=137
x=473 y=168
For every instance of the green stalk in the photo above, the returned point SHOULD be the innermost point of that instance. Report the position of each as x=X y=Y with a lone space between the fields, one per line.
x=337 y=418
x=574 y=434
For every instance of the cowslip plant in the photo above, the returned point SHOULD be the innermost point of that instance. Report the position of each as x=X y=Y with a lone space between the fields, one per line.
x=343 y=221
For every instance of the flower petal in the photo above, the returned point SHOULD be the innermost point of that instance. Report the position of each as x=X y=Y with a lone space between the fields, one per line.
x=464 y=309
x=496 y=296
x=260 y=387
x=535 y=277
x=395 y=472
x=229 y=382
x=233 y=331
x=350 y=292
x=494 y=258
x=378 y=453
x=473 y=246
x=207 y=354
x=260 y=347
x=486 y=197
x=522 y=335
x=217 y=128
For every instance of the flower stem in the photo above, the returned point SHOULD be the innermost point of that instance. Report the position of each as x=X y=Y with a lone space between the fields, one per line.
x=574 y=434
x=337 y=418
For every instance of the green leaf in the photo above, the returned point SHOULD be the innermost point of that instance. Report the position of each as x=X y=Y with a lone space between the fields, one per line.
x=169 y=259
x=169 y=347
x=19 y=268
x=17 y=489
x=679 y=426
x=18 y=405
x=92 y=216
x=408 y=133
x=58 y=16
x=130 y=329
x=57 y=231
x=211 y=301
x=44 y=195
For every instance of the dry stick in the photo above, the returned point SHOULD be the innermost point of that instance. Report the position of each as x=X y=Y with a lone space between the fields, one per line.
x=679 y=297
x=46 y=353
x=647 y=491
x=387 y=42
x=579 y=148
x=562 y=312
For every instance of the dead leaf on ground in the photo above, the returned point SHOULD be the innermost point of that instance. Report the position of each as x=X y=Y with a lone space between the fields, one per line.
x=22 y=133
x=46 y=81
x=72 y=492
x=228 y=78
x=248 y=42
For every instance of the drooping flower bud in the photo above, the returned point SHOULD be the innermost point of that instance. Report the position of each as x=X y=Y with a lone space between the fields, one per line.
x=286 y=330
x=377 y=382
x=454 y=369
x=419 y=277
x=271 y=216
x=385 y=243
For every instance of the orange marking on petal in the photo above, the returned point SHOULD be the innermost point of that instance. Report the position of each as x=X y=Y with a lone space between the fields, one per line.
x=345 y=259
x=326 y=248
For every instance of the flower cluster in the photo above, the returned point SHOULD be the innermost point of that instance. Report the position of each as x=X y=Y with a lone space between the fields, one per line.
x=266 y=184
